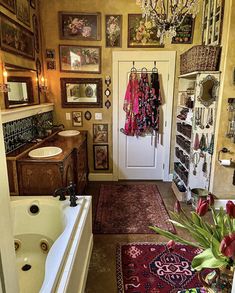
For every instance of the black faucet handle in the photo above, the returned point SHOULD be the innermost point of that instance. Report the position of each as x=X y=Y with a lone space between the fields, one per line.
x=71 y=188
x=61 y=193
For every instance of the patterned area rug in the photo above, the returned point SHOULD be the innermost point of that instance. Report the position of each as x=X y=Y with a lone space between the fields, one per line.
x=151 y=268
x=130 y=208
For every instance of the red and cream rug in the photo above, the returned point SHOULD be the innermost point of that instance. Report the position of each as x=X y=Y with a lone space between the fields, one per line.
x=152 y=268
x=130 y=209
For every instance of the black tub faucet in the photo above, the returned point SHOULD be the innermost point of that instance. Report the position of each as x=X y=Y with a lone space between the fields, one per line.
x=71 y=192
x=61 y=193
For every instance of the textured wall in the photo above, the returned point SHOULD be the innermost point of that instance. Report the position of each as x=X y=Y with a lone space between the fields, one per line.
x=49 y=18
x=223 y=176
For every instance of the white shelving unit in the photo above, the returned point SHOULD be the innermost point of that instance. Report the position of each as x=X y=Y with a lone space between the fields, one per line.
x=192 y=164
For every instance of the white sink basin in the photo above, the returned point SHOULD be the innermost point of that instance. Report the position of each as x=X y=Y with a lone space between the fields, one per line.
x=69 y=132
x=45 y=152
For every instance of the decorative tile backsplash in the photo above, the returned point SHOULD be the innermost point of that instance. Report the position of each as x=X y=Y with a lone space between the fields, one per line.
x=17 y=133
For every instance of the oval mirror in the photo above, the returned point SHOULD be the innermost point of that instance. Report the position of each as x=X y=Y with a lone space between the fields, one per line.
x=208 y=90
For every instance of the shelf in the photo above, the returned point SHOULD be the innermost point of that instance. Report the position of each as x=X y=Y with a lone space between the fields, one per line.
x=184 y=121
x=177 y=176
x=179 y=161
x=195 y=73
x=185 y=136
x=180 y=147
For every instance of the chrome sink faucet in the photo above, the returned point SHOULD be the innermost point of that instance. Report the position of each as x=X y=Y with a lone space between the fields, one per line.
x=70 y=191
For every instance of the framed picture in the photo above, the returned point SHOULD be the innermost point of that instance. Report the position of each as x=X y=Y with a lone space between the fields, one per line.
x=50 y=53
x=23 y=11
x=101 y=157
x=81 y=92
x=113 y=30
x=9 y=4
x=100 y=133
x=141 y=33
x=184 y=33
x=36 y=33
x=83 y=59
x=88 y=115
x=16 y=39
x=51 y=65
x=77 y=118
x=80 y=26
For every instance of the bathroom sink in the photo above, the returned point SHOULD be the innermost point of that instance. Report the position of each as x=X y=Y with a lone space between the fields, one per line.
x=45 y=152
x=69 y=132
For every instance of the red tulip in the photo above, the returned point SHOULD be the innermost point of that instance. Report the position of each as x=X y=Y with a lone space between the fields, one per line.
x=171 y=245
x=202 y=207
x=211 y=199
x=230 y=209
x=177 y=207
x=227 y=245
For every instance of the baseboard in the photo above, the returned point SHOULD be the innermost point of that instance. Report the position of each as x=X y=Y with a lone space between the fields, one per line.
x=101 y=177
x=169 y=179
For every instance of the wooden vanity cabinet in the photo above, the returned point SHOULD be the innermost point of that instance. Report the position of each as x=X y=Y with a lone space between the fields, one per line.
x=29 y=176
x=44 y=177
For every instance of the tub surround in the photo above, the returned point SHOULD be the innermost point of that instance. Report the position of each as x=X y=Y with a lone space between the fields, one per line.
x=68 y=236
x=33 y=176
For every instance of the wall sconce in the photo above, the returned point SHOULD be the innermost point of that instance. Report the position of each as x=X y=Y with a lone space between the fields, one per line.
x=4 y=87
x=43 y=87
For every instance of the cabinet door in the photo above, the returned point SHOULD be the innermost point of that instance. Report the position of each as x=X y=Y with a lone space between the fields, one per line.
x=82 y=170
x=68 y=170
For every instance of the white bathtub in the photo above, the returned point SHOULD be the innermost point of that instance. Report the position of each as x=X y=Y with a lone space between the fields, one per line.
x=53 y=244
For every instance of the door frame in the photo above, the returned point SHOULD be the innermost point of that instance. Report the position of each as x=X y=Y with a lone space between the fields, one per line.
x=159 y=56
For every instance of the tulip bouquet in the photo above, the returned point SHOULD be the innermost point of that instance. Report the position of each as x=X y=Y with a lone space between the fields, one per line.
x=216 y=239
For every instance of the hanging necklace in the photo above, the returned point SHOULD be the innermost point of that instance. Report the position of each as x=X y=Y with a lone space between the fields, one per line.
x=204 y=166
x=195 y=161
x=197 y=117
x=202 y=118
x=211 y=117
x=208 y=118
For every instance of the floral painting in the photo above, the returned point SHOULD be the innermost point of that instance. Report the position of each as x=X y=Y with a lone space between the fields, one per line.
x=142 y=33
x=113 y=29
x=9 y=4
x=23 y=11
x=100 y=133
x=15 y=38
x=80 y=58
x=80 y=26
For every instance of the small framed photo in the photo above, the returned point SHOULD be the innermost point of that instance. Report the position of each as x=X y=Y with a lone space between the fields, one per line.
x=142 y=34
x=83 y=59
x=51 y=65
x=80 y=26
x=77 y=118
x=113 y=31
x=100 y=133
x=101 y=157
x=23 y=11
x=50 y=53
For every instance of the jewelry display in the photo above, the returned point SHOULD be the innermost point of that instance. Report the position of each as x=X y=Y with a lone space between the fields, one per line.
x=210 y=149
x=196 y=142
x=202 y=118
x=195 y=161
x=204 y=166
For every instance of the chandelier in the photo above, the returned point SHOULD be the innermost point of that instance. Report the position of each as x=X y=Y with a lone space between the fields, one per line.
x=167 y=15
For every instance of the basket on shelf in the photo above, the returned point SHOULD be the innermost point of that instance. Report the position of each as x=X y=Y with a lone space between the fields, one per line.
x=200 y=58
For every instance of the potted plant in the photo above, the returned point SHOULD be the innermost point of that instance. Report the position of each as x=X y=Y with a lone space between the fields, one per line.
x=216 y=239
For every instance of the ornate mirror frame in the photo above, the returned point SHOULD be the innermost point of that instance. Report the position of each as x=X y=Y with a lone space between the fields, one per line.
x=214 y=90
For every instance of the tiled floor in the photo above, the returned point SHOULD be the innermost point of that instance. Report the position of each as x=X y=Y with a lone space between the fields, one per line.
x=102 y=270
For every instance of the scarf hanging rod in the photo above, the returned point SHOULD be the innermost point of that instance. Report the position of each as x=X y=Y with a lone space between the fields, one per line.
x=144 y=69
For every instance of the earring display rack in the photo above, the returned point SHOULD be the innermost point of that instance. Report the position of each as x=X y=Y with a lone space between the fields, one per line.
x=195 y=125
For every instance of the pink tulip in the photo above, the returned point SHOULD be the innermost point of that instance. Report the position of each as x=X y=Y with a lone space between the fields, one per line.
x=171 y=245
x=202 y=207
x=177 y=207
x=211 y=199
x=230 y=209
x=227 y=245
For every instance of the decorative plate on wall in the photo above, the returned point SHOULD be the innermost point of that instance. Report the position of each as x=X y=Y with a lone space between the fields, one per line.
x=87 y=115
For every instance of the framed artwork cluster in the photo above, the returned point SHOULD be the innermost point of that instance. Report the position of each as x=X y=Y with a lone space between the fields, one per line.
x=212 y=22
x=100 y=146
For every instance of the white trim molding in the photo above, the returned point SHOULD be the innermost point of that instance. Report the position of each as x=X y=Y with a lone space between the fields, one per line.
x=9 y=115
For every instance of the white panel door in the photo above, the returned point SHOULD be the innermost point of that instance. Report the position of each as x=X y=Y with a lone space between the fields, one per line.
x=142 y=157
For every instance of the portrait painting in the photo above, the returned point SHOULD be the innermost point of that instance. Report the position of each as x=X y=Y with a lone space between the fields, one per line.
x=77 y=118
x=101 y=157
x=100 y=133
x=80 y=26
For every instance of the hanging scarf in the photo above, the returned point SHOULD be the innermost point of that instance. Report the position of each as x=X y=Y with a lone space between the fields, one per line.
x=130 y=105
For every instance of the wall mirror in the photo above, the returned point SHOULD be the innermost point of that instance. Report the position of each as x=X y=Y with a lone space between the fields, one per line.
x=208 y=90
x=23 y=84
x=81 y=92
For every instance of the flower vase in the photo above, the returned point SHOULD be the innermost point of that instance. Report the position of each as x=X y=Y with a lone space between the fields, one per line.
x=218 y=280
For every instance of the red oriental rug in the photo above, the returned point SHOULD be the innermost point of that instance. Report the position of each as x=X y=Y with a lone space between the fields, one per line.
x=130 y=208
x=151 y=268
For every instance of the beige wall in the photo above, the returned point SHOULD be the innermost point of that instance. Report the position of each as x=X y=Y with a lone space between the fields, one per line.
x=49 y=16
x=223 y=176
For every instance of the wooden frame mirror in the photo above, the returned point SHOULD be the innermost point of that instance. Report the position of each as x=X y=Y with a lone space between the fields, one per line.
x=81 y=92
